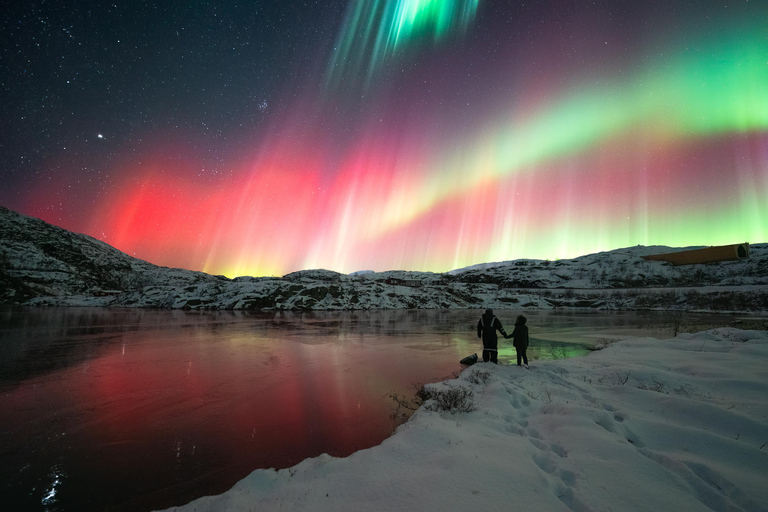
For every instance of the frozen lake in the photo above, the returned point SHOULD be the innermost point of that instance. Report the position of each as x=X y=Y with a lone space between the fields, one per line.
x=132 y=409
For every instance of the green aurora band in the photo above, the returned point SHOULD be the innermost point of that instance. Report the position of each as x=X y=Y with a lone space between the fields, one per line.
x=720 y=87
x=376 y=30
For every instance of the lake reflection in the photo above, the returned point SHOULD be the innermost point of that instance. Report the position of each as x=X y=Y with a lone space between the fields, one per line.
x=142 y=409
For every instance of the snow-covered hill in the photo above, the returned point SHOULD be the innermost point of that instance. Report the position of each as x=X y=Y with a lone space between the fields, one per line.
x=38 y=259
x=41 y=264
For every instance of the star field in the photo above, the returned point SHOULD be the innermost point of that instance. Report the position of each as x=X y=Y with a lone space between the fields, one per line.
x=265 y=137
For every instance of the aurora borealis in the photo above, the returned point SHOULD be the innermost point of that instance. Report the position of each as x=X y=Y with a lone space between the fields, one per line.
x=384 y=134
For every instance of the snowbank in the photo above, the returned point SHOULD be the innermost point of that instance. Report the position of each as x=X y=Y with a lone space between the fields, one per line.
x=644 y=424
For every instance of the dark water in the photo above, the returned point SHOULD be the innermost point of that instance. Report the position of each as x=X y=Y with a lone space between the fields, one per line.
x=142 y=409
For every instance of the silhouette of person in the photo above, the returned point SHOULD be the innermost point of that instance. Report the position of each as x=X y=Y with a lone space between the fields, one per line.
x=486 y=329
x=520 y=336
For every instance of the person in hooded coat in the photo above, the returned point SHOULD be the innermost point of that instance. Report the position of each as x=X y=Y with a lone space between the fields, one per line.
x=486 y=329
x=520 y=339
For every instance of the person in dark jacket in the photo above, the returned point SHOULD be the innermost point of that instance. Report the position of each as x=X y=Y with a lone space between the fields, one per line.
x=486 y=329
x=520 y=339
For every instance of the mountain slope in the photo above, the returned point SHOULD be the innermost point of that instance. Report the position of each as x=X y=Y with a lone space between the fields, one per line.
x=41 y=264
x=39 y=259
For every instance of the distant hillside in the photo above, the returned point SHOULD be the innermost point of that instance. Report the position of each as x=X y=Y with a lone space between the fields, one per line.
x=38 y=259
x=41 y=264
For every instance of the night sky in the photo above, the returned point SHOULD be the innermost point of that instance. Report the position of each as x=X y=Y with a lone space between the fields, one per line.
x=259 y=138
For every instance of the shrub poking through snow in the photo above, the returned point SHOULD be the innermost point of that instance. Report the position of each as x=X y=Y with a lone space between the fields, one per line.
x=419 y=397
x=478 y=376
x=440 y=398
x=450 y=399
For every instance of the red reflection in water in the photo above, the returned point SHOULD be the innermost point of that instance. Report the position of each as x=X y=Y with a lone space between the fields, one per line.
x=155 y=416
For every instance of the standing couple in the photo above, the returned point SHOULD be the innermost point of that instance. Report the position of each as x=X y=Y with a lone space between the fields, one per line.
x=486 y=329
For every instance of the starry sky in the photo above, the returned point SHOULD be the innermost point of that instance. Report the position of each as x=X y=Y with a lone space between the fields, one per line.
x=264 y=137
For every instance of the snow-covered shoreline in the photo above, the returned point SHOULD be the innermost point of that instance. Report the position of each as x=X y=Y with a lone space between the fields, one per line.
x=644 y=424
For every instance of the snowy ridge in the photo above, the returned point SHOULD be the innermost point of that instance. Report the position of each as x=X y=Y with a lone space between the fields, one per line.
x=642 y=425
x=38 y=259
x=41 y=264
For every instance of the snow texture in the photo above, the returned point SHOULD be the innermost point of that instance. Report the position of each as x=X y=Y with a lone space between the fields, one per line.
x=642 y=425
x=41 y=264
